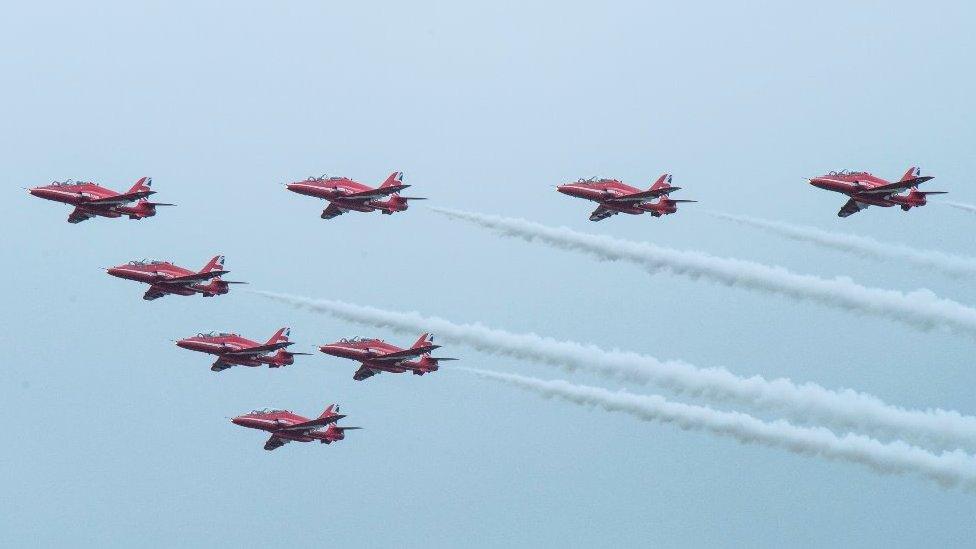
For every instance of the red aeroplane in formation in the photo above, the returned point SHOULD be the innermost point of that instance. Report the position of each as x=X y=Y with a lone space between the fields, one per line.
x=165 y=278
x=234 y=350
x=91 y=200
x=286 y=426
x=868 y=190
x=345 y=195
x=617 y=197
x=378 y=356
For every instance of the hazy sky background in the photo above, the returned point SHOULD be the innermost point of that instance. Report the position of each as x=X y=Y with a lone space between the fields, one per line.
x=116 y=437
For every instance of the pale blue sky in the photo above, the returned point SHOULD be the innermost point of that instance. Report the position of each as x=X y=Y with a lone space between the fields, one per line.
x=115 y=437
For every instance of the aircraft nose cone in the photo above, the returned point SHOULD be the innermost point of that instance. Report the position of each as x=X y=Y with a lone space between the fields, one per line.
x=563 y=189
x=183 y=343
x=237 y=421
x=41 y=192
x=114 y=271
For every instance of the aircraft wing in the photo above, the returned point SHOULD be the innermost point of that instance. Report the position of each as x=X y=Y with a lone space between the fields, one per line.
x=374 y=193
x=643 y=195
x=78 y=215
x=154 y=292
x=851 y=207
x=332 y=211
x=191 y=278
x=894 y=188
x=364 y=372
x=397 y=356
x=118 y=199
x=258 y=349
x=313 y=424
x=602 y=212
x=274 y=443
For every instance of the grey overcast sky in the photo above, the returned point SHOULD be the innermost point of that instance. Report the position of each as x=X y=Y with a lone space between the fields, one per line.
x=117 y=438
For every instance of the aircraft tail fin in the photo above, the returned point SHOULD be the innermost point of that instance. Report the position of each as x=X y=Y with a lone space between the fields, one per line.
x=142 y=185
x=424 y=340
x=332 y=410
x=662 y=182
x=395 y=178
x=279 y=336
x=216 y=263
x=913 y=173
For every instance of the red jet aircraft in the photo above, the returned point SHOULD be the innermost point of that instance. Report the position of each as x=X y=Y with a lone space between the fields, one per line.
x=165 y=278
x=867 y=190
x=234 y=350
x=617 y=197
x=91 y=200
x=286 y=426
x=344 y=194
x=378 y=356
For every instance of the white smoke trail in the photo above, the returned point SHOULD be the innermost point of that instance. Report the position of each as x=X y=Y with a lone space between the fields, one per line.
x=843 y=410
x=948 y=469
x=948 y=264
x=920 y=309
x=960 y=206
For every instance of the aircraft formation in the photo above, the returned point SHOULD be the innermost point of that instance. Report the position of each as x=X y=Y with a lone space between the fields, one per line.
x=344 y=195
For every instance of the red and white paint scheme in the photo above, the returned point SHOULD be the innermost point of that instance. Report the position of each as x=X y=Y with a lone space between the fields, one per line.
x=165 y=278
x=91 y=200
x=286 y=426
x=615 y=197
x=234 y=350
x=868 y=190
x=378 y=356
x=345 y=195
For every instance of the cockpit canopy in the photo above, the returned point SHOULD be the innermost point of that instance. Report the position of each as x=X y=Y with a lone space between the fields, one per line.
x=325 y=177
x=358 y=339
x=266 y=411
x=848 y=172
x=595 y=179
x=147 y=262
x=215 y=334
x=68 y=183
